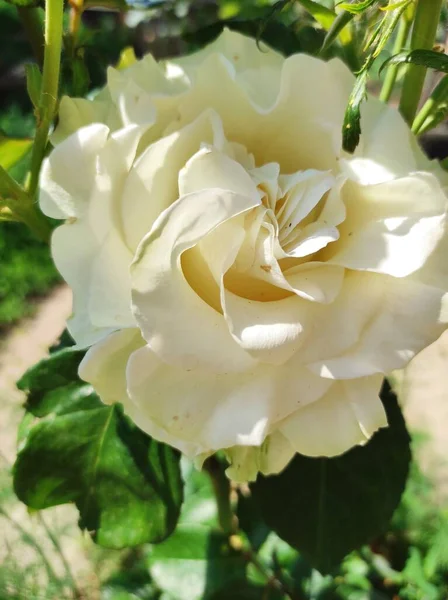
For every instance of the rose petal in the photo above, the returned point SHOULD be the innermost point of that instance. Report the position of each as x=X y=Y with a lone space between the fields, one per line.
x=178 y=325
x=348 y=414
x=200 y=408
x=392 y=319
x=270 y=458
x=152 y=183
x=391 y=228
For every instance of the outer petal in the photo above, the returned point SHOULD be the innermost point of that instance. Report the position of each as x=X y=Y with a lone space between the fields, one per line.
x=348 y=415
x=83 y=179
x=215 y=411
x=241 y=51
x=305 y=85
x=68 y=175
x=104 y=365
x=75 y=113
x=71 y=255
x=393 y=227
x=270 y=458
x=378 y=324
x=178 y=325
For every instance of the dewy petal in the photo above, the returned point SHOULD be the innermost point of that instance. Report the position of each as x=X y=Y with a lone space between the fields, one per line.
x=269 y=458
x=391 y=228
x=178 y=325
x=347 y=415
x=216 y=411
x=152 y=183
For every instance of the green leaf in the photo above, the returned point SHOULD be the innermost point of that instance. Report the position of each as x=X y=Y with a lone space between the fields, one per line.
x=327 y=507
x=425 y=58
x=12 y=150
x=199 y=505
x=435 y=109
x=25 y=3
x=356 y=8
x=196 y=563
x=126 y=486
x=134 y=583
x=351 y=128
x=337 y=28
x=323 y=15
x=33 y=83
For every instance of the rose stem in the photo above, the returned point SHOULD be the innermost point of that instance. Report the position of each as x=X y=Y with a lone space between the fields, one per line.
x=427 y=16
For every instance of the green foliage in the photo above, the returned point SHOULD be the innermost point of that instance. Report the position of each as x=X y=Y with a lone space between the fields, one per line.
x=195 y=563
x=26 y=271
x=340 y=495
x=425 y=58
x=126 y=486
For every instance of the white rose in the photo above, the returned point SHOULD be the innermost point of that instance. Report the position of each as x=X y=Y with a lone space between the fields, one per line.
x=242 y=282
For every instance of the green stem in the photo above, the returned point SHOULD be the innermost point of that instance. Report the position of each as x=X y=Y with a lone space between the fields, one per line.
x=425 y=119
x=22 y=206
x=33 y=26
x=427 y=16
x=221 y=486
x=50 y=85
x=400 y=42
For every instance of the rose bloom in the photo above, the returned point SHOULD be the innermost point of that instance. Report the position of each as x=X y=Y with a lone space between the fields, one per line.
x=242 y=282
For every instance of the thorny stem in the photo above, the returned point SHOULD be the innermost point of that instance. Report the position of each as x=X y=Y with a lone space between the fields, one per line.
x=50 y=85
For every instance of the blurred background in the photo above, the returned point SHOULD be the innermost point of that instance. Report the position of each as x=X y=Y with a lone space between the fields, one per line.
x=44 y=556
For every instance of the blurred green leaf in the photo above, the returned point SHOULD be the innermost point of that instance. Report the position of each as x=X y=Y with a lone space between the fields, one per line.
x=328 y=20
x=351 y=128
x=435 y=109
x=12 y=150
x=356 y=8
x=33 y=83
x=327 y=507
x=24 y=3
x=126 y=486
x=131 y=584
x=199 y=505
x=337 y=28
x=425 y=58
x=196 y=563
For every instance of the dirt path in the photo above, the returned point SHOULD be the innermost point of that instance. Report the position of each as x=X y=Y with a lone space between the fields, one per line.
x=27 y=344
